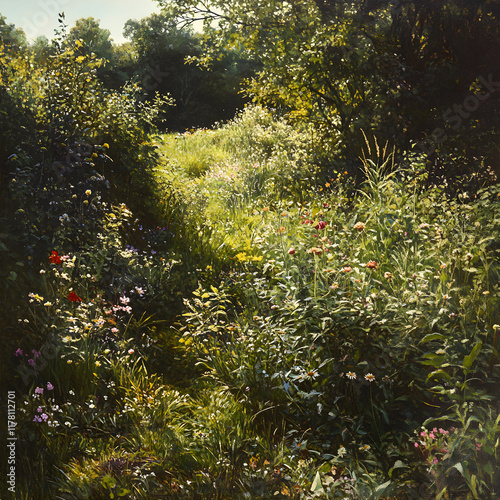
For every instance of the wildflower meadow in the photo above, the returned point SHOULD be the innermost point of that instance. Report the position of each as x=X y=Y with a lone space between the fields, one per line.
x=240 y=310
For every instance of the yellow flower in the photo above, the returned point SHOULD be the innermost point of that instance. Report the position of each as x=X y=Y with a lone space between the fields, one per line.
x=88 y=192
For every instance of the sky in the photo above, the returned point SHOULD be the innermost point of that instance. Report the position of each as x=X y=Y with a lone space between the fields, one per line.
x=39 y=17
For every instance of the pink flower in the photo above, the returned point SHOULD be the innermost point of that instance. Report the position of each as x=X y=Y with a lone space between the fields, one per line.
x=478 y=446
x=31 y=362
x=416 y=445
x=49 y=386
x=431 y=435
x=19 y=352
x=39 y=390
x=435 y=461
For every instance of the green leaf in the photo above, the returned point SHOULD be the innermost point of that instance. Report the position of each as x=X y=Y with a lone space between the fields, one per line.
x=108 y=482
x=435 y=360
x=437 y=374
x=316 y=485
x=381 y=489
x=473 y=484
x=432 y=336
x=468 y=360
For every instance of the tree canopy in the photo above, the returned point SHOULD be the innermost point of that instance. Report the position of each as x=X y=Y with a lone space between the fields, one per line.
x=394 y=68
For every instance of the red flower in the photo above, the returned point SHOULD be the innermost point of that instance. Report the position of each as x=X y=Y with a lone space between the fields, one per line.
x=320 y=225
x=74 y=297
x=371 y=264
x=55 y=257
x=291 y=251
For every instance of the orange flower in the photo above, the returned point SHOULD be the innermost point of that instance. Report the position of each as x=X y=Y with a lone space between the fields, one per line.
x=55 y=258
x=74 y=297
x=359 y=226
x=316 y=251
x=347 y=269
x=371 y=264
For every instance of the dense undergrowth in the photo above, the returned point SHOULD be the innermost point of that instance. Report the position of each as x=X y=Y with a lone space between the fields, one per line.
x=213 y=315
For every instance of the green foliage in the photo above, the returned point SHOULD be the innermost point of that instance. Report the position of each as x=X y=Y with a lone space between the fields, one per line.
x=395 y=68
x=164 y=52
x=211 y=315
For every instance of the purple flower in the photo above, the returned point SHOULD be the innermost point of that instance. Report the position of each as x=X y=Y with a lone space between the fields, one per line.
x=39 y=409
x=44 y=416
x=49 y=386
x=37 y=419
x=39 y=390
x=31 y=362
x=19 y=352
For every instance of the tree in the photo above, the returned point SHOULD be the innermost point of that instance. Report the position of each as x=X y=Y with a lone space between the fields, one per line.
x=202 y=96
x=93 y=38
x=316 y=62
x=395 y=68
x=13 y=39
